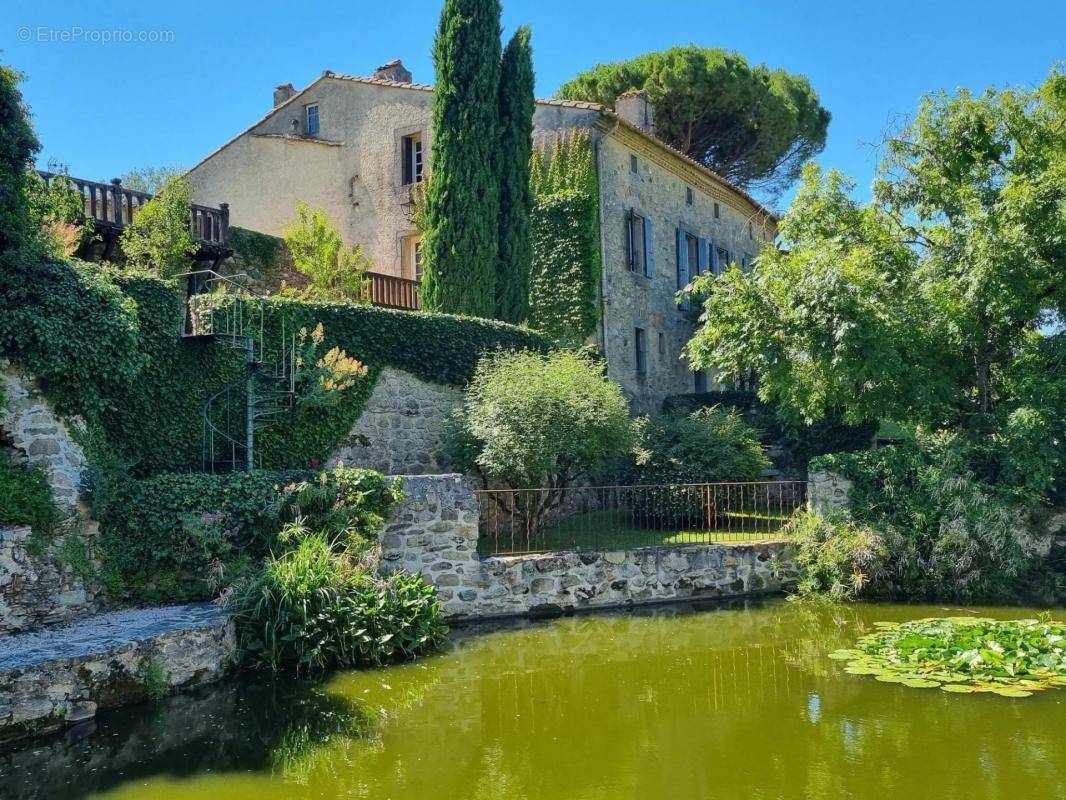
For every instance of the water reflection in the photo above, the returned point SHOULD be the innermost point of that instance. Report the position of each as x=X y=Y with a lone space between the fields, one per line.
x=722 y=703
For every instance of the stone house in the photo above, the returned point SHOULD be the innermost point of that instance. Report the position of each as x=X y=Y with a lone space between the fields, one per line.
x=358 y=148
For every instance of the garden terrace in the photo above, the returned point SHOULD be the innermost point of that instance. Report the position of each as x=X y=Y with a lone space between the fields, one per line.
x=111 y=207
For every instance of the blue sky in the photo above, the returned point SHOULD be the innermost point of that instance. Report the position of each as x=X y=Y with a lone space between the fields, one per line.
x=102 y=107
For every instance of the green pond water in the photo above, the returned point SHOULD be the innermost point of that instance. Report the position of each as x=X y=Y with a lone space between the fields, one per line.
x=727 y=702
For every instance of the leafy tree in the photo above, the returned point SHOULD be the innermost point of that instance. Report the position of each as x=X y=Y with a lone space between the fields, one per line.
x=462 y=200
x=753 y=125
x=336 y=272
x=150 y=179
x=516 y=197
x=932 y=304
x=18 y=146
x=533 y=420
x=159 y=238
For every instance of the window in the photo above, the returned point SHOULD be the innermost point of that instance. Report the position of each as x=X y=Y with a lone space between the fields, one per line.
x=701 y=382
x=688 y=257
x=717 y=211
x=723 y=257
x=745 y=261
x=312 y=119
x=688 y=196
x=634 y=165
x=412 y=158
x=639 y=245
x=751 y=232
x=411 y=257
x=662 y=345
x=640 y=348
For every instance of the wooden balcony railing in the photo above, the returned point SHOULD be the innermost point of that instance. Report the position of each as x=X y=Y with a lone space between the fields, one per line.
x=111 y=206
x=389 y=291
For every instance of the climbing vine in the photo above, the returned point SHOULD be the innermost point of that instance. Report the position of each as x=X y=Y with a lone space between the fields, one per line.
x=565 y=238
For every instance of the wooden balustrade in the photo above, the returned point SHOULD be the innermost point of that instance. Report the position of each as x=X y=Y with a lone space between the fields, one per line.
x=389 y=291
x=110 y=205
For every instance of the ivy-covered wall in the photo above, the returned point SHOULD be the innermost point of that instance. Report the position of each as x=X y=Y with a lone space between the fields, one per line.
x=106 y=345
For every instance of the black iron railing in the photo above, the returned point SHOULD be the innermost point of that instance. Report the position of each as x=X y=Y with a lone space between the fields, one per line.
x=601 y=518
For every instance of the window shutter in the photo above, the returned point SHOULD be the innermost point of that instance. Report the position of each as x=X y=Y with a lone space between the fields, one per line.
x=627 y=229
x=701 y=255
x=408 y=159
x=649 y=260
x=716 y=262
x=682 y=264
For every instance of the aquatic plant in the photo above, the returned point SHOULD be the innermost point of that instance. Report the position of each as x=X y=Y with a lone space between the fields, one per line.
x=1011 y=658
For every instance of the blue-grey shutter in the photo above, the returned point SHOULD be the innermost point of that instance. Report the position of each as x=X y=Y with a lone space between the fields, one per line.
x=682 y=264
x=649 y=259
x=701 y=255
x=716 y=262
x=627 y=231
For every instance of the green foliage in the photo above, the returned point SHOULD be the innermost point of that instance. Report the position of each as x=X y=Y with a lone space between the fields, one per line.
x=516 y=197
x=18 y=146
x=796 y=444
x=461 y=241
x=838 y=558
x=156 y=681
x=313 y=608
x=56 y=211
x=159 y=239
x=752 y=125
x=565 y=276
x=25 y=497
x=950 y=536
x=182 y=537
x=885 y=309
x=705 y=446
x=542 y=421
x=963 y=655
x=335 y=272
x=150 y=179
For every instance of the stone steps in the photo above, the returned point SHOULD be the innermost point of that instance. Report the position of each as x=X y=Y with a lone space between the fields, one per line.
x=56 y=677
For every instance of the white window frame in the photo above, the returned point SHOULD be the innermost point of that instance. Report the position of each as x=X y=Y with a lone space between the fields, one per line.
x=317 y=127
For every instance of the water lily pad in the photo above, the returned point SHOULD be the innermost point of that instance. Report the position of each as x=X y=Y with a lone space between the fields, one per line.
x=963 y=655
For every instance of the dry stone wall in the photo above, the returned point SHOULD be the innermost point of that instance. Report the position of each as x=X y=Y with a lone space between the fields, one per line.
x=434 y=533
x=827 y=491
x=402 y=428
x=39 y=437
x=41 y=588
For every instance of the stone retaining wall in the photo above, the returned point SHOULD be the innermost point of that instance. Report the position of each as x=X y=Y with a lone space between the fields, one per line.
x=434 y=533
x=58 y=677
x=37 y=590
x=40 y=438
x=402 y=428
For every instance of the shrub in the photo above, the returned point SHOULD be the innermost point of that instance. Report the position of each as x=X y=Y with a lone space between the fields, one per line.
x=314 y=608
x=950 y=536
x=838 y=559
x=542 y=421
x=334 y=271
x=708 y=445
x=159 y=238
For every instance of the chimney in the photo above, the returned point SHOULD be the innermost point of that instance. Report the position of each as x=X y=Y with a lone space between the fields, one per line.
x=283 y=93
x=635 y=108
x=393 y=71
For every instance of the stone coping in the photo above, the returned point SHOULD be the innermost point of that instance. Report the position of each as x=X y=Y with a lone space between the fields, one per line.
x=104 y=633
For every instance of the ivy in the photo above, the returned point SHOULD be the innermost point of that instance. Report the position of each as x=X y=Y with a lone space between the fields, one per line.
x=565 y=235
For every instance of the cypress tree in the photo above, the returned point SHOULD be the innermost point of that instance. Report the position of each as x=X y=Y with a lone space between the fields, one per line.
x=462 y=199
x=516 y=196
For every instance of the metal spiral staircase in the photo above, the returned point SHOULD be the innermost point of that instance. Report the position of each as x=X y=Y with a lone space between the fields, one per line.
x=236 y=413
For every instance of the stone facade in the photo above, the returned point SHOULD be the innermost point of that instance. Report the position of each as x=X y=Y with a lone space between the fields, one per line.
x=827 y=491
x=434 y=533
x=39 y=589
x=34 y=434
x=402 y=428
x=56 y=678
